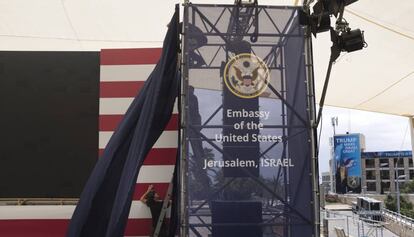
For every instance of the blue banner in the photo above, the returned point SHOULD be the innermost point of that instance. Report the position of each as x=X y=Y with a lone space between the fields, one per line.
x=387 y=154
x=348 y=163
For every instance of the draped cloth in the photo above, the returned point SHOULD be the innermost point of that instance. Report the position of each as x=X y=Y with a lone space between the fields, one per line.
x=104 y=205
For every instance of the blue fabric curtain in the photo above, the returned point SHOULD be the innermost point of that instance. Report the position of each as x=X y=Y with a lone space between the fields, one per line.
x=105 y=202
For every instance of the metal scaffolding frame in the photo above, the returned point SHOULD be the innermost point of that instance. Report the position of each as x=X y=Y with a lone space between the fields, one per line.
x=286 y=216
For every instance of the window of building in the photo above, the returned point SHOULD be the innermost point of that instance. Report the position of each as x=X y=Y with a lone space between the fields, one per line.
x=369 y=163
x=411 y=174
x=400 y=163
x=410 y=162
x=385 y=186
x=384 y=162
x=385 y=174
x=371 y=187
x=401 y=172
x=370 y=175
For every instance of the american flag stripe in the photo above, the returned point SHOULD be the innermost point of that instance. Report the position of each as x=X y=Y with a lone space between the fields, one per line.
x=64 y=212
x=112 y=106
x=57 y=228
x=37 y=212
x=41 y=221
x=120 y=89
x=110 y=122
x=155 y=174
x=130 y=56
x=122 y=74
x=122 y=67
x=166 y=140
x=33 y=228
x=159 y=156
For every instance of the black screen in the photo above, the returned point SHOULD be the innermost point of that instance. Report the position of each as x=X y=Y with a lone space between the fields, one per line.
x=49 y=103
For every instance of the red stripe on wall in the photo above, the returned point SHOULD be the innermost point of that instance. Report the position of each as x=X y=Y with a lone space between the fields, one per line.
x=161 y=156
x=110 y=122
x=173 y=123
x=130 y=56
x=138 y=227
x=141 y=188
x=100 y=153
x=33 y=228
x=57 y=228
x=158 y=156
x=120 y=89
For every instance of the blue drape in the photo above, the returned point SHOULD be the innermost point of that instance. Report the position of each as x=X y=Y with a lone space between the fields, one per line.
x=105 y=202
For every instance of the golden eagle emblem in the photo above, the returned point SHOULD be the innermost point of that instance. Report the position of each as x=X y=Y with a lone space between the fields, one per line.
x=246 y=80
x=246 y=75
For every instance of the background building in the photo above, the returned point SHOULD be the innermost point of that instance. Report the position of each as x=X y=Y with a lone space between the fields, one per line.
x=326 y=182
x=381 y=169
x=378 y=171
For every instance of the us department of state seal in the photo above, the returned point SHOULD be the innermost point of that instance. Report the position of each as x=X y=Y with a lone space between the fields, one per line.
x=246 y=75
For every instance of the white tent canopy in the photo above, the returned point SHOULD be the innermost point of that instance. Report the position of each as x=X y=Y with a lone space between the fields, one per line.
x=379 y=78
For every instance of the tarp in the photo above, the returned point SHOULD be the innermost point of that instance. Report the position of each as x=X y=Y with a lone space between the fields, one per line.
x=106 y=200
x=379 y=78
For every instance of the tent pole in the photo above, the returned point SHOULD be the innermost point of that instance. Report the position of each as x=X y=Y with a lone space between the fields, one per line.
x=184 y=128
x=313 y=134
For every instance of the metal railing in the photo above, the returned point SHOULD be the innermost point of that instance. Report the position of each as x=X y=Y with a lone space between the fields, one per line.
x=351 y=225
x=398 y=218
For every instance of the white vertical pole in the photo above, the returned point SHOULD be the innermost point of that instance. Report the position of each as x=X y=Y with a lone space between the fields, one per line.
x=398 y=191
x=332 y=165
x=334 y=123
x=411 y=121
x=347 y=226
x=358 y=229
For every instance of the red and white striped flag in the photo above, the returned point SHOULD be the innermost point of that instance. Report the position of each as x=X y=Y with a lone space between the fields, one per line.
x=122 y=75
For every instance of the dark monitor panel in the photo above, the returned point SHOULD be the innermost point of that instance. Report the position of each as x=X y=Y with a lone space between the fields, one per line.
x=49 y=106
